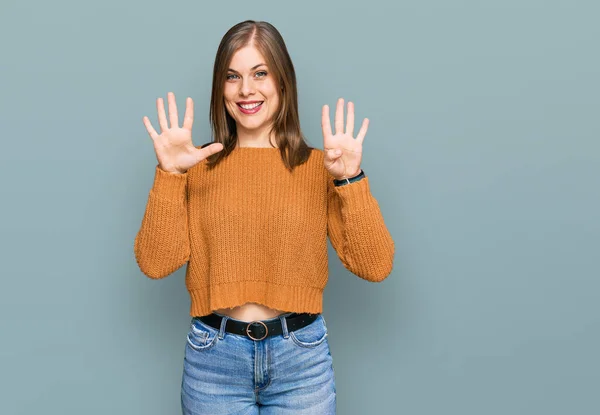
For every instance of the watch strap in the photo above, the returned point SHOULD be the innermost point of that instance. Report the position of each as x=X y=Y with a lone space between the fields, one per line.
x=348 y=180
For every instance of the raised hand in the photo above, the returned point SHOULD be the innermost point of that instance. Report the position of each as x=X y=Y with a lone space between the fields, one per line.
x=342 y=153
x=174 y=148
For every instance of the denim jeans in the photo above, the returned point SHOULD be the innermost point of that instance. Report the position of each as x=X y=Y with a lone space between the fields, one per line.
x=290 y=373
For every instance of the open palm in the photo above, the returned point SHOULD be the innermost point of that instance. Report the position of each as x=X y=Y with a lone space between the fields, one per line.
x=174 y=148
x=342 y=152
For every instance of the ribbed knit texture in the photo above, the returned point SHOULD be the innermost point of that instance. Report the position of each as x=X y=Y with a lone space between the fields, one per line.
x=251 y=231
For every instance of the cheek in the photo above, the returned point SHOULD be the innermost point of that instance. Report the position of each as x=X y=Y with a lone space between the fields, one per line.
x=275 y=103
x=272 y=97
x=230 y=108
x=229 y=93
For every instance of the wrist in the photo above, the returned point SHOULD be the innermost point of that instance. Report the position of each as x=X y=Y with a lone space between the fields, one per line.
x=351 y=179
x=171 y=171
x=356 y=173
x=350 y=176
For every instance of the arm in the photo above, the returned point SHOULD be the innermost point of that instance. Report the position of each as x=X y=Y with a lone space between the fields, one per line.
x=357 y=231
x=162 y=243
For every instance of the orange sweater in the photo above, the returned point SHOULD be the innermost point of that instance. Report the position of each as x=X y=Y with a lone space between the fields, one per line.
x=251 y=231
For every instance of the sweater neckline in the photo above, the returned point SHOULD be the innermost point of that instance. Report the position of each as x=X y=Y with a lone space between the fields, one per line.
x=258 y=148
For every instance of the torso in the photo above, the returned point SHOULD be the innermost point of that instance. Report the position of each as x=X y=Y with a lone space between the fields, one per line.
x=250 y=312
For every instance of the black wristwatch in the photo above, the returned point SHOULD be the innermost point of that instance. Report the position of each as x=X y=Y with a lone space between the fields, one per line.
x=356 y=178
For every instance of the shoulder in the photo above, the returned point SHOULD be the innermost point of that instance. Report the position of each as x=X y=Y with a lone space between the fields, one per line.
x=316 y=153
x=315 y=162
x=315 y=158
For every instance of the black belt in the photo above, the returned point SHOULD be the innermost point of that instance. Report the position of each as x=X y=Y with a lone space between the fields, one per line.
x=260 y=329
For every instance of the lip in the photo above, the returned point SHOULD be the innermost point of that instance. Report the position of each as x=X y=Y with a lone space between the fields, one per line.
x=252 y=111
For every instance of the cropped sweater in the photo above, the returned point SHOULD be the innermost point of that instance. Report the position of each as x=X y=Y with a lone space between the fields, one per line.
x=252 y=231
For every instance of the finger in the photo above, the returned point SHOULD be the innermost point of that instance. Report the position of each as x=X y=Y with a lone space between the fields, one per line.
x=151 y=131
x=363 y=131
x=339 y=117
x=325 y=121
x=162 y=118
x=350 y=119
x=188 y=118
x=173 y=117
x=209 y=150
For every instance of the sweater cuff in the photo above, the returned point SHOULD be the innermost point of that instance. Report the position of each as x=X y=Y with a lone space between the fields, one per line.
x=356 y=194
x=168 y=185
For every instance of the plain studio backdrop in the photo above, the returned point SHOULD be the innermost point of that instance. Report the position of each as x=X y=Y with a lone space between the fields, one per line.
x=483 y=153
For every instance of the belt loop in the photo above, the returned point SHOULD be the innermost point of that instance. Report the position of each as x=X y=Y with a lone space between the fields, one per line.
x=222 y=328
x=284 y=325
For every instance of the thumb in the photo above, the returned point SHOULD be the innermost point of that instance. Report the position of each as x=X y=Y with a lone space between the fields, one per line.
x=333 y=154
x=208 y=150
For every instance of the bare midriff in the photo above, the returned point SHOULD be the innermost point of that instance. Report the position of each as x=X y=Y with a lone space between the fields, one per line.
x=250 y=312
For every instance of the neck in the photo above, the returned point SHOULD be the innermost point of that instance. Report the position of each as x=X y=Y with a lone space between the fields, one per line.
x=246 y=138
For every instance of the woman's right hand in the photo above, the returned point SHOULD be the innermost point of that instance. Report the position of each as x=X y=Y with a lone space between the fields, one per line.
x=174 y=148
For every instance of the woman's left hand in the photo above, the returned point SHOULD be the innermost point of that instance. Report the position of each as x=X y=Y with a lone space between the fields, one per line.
x=342 y=153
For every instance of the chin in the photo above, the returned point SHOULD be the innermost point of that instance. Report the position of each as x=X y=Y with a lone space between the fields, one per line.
x=253 y=125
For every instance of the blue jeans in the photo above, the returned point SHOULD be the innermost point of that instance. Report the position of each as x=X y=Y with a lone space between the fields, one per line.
x=225 y=373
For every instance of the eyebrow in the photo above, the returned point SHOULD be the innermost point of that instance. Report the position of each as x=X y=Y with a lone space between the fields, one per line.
x=253 y=68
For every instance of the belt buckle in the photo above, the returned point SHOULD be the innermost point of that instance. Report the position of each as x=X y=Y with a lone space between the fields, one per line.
x=257 y=321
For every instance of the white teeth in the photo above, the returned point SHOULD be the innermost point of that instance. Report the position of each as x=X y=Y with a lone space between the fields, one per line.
x=250 y=106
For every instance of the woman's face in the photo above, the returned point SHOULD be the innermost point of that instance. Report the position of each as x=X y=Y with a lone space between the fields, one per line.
x=251 y=96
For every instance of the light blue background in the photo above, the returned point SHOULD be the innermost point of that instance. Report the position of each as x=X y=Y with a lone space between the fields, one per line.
x=482 y=151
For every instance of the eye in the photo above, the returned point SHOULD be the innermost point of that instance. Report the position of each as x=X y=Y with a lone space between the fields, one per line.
x=262 y=72
x=230 y=75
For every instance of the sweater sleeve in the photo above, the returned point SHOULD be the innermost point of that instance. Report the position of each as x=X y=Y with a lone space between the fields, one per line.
x=357 y=231
x=162 y=243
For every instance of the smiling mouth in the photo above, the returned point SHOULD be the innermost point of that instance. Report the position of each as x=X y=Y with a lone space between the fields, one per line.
x=250 y=108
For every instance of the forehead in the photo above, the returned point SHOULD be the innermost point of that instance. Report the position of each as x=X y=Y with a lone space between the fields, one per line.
x=246 y=58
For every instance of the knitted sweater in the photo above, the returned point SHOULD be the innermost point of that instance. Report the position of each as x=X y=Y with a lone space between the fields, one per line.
x=252 y=231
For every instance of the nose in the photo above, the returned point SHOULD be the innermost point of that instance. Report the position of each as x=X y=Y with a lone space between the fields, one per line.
x=247 y=87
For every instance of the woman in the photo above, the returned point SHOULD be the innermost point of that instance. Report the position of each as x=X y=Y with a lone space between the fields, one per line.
x=250 y=214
